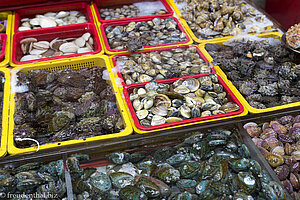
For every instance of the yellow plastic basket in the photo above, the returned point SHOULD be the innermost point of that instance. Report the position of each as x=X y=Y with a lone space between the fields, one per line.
x=219 y=71
x=75 y=63
x=9 y=17
x=3 y=147
x=190 y=32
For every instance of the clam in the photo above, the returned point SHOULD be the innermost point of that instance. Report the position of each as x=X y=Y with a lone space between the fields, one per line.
x=230 y=107
x=206 y=113
x=86 y=36
x=141 y=92
x=43 y=45
x=68 y=47
x=162 y=100
x=173 y=119
x=181 y=89
x=144 y=78
x=185 y=111
x=142 y=114
x=84 y=50
x=137 y=104
x=80 y=42
x=200 y=93
x=30 y=57
x=151 y=86
x=157 y=120
x=192 y=84
x=147 y=102
x=47 y=22
x=37 y=51
x=161 y=110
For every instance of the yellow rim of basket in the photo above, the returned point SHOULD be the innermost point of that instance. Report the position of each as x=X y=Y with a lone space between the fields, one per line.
x=3 y=147
x=12 y=149
x=275 y=35
x=190 y=32
x=9 y=26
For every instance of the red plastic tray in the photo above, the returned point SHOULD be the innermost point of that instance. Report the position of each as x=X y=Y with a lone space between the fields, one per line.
x=124 y=23
x=74 y=30
x=98 y=4
x=3 y=38
x=114 y=58
x=84 y=8
x=231 y=97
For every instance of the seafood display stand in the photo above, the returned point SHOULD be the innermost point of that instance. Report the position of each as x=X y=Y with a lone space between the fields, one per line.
x=119 y=99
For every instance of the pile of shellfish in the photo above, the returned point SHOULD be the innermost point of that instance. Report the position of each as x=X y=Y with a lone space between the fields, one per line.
x=67 y=104
x=135 y=35
x=216 y=18
x=267 y=75
x=41 y=180
x=173 y=63
x=52 y=19
x=126 y=11
x=214 y=165
x=293 y=36
x=279 y=142
x=33 y=49
x=160 y=103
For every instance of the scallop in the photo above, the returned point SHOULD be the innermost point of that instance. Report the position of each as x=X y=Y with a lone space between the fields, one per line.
x=192 y=84
x=142 y=114
x=181 y=89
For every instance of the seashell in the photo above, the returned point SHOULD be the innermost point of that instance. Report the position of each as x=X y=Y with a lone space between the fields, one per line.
x=278 y=150
x=30 y=57
x=192 y=84
x=43 y=45
x=47 y=22
x=230 y=107
x=157 y=120
x=23 y=28
x=295 y=168
x=147 y=186
x=144 y=78
x=185 y=111
x=287 y=149
x=257 y=141
x=196 y=112
x=35 y=22
x=173 y=119
x=296 y=155
x=181 y=89
x=145 y=122
x=62 y=14
x=162 y=100
x=274 y=160
x=68 y=47
x=206 y=113
x=285 y=138
x=161 y=110
x=288 y=186
x=294 y=181
x=37 y=51
x=147 y=102
x=137 y=104
x=269 y=132
x=141 y=92
x=56 y=43
x=282 y=172
x=252 y=129
x=278 y=128
x=246 y=181
x=28 y=40
x=131 y=192
x=270 y=143
x=142 y=114
x=84 y=50
x=49 y=53
x=177 y=103
x=86 y=36
x=200 y=93
x=80 y=42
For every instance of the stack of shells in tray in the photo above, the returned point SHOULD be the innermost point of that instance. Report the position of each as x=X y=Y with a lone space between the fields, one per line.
x=278 y=140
